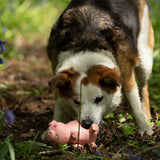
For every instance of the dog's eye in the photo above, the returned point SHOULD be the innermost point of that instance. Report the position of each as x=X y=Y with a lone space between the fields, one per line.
x=76 y=102
x=98 y=100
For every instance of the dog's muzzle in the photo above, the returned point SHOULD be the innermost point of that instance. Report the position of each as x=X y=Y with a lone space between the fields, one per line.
x=87 y=123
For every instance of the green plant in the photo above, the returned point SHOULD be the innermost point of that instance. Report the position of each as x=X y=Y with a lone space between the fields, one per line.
x=6 y=147
x=127 y=129
x=26 y=18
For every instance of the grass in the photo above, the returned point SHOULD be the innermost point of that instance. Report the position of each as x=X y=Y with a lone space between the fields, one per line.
x=25 y=20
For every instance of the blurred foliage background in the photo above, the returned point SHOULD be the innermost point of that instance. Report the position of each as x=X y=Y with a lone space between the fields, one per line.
x=33 y=19
x=30 y=19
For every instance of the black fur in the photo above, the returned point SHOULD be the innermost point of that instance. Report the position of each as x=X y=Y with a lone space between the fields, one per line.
x=103 y=24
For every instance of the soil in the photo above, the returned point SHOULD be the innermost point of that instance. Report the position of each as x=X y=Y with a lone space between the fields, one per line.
x=25 y=92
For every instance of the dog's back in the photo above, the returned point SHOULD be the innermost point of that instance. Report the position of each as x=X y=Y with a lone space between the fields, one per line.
x=92 y=25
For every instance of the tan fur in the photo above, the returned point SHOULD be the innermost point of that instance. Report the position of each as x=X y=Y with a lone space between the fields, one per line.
x=129 y=82
x=151 y=36
x=98 y=74
x=142 y=4
x=64 y=83
x=127 y=62
x=146 y=108
x=151 y=32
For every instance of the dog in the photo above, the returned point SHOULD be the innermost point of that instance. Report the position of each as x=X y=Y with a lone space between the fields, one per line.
x=96 y=48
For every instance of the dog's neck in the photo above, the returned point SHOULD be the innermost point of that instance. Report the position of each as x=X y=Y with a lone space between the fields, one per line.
x=82 y=61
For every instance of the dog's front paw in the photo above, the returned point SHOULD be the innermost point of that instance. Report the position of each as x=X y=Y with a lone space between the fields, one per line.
x=147 y=130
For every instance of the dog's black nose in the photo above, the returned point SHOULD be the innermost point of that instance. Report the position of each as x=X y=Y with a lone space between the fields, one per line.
x=87 y=123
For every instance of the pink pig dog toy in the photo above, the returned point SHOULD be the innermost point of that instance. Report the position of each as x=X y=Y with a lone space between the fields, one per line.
x=59 y=132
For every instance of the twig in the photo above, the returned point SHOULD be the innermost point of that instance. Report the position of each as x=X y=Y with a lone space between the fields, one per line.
x=53 y=151
x=148 y=149
x=144 y=151
x=47 y=152
x=117 y=154
x=139 y=153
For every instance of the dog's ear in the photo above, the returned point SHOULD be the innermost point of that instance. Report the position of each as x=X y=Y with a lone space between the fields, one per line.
x=61 y=81
x=110 y=80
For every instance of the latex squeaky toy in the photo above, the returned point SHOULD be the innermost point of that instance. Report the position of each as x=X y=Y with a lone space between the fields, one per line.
x=59 y=132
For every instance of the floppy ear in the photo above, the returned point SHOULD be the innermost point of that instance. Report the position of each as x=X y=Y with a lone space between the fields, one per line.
x=110 y=80
x=61 y=81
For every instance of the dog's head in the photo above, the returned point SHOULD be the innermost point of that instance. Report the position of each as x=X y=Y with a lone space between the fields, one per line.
x=101 y=91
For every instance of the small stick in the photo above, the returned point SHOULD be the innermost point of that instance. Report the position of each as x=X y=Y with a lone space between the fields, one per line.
x=148 y=149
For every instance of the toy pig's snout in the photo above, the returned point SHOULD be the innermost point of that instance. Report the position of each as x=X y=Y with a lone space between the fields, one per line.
x=52 y=135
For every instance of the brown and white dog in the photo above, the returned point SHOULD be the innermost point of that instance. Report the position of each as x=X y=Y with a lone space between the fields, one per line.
x=102 y=45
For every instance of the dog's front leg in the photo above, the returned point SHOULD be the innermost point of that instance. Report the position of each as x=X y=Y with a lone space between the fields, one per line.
x=131 y=92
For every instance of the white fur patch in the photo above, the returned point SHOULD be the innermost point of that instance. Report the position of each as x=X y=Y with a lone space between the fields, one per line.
x=94 y=111
x=134 y=100
x=82 y=61
x=145 y=52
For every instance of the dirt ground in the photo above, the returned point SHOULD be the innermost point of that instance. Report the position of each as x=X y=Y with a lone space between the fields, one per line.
x=25 y=92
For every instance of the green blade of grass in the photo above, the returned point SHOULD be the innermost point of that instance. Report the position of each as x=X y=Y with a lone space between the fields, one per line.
x=11 y=150
x=22 y=149
x=7 y=143
x=32 y=143
x=3 y=150
x=42 y=145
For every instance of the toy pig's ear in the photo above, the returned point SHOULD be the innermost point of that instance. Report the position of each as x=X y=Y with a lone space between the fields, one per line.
x=52 y=123
x=61 y=81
